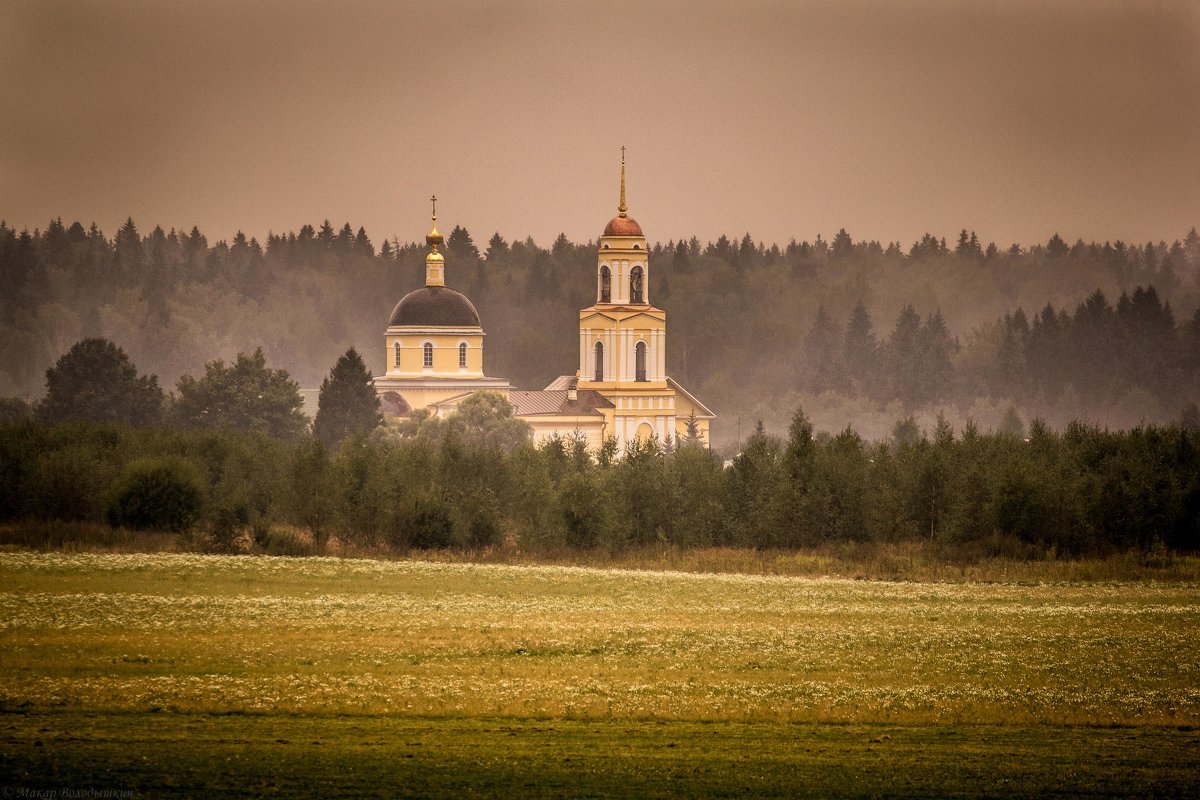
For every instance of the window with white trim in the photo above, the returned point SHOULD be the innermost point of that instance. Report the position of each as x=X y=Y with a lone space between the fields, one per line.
x=462 y=355
x=427 y=352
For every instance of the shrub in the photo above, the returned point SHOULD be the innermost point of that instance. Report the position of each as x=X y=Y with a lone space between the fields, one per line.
x=67 y=484
x=429 y=524
x=482 y=515
x=161 y=493
x=227 y=523
x=283 y=542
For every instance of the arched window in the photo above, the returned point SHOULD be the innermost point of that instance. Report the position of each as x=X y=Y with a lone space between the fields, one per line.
x=462 y=355
x=605 y=285
x=635 y=285
x=639 y=354
x=427 y=350
x=396 y=352
x=599 y=362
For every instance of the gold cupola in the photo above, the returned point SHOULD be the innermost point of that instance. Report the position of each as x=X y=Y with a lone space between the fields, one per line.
x=435 y=262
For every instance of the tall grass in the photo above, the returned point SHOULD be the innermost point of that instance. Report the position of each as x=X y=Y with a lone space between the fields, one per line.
x=997 y=561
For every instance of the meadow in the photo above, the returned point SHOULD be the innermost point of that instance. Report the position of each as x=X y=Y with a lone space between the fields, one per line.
x=267 y=675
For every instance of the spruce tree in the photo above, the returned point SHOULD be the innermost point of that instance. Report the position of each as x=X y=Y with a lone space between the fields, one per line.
x=347 y=403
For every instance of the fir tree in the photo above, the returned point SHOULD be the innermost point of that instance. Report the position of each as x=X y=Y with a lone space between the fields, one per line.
x=347 y=403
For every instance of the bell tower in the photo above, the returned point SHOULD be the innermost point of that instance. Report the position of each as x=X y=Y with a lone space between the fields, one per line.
x=622 y=264
x=622 y=337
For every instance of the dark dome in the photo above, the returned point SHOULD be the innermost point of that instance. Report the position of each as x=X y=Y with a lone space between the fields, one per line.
x=435 y=306
x=622 y=226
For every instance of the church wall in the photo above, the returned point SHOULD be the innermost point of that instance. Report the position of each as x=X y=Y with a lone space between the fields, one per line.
x=593 y=429
x=445 y=354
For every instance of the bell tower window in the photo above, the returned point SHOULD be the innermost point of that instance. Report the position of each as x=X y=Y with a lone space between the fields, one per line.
x=427 y=355
x=640 y=361
x=599 y=367
x=605 y=284
x=635 y=285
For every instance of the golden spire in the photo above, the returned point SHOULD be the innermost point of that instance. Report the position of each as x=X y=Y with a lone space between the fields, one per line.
x=435 y=263
x=433 y=239
x=621 y=209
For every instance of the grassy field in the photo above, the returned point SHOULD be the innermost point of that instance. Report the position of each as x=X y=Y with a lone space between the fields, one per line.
x=167 y=673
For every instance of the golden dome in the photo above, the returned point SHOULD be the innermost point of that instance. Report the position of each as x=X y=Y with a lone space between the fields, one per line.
x=433 y=238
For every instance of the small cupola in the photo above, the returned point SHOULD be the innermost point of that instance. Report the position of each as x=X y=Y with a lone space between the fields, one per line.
x=435 y=262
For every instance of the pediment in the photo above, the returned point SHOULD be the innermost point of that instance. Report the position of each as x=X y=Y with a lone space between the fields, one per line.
x=623 y=314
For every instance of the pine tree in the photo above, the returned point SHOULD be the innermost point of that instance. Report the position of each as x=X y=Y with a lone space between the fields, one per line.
x=860 y=351
x=903 y=359
x=842 y=246
x=347 y=403
x=130 y=255
x=821 y=347
x=937 y=345
x=362 y=243
x=1056 y=248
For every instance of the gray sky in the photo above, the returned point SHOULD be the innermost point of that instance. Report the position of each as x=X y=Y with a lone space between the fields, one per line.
x=783 y=119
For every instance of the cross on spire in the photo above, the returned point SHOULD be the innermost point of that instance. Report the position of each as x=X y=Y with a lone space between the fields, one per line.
x=434 y=201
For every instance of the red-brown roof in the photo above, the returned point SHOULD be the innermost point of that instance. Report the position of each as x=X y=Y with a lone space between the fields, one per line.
x=622 y=226
x=557 y=402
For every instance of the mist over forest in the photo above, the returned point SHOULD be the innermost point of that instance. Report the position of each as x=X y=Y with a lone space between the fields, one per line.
x=857 y=332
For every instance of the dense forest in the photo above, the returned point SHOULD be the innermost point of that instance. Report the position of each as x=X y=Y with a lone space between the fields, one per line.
x=858 y=333
x=454 y=483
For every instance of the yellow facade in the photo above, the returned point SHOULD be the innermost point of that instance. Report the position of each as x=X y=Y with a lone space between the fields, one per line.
x=590 y=428
x=621 y=388
x=453 y=353
x=434 y=343
x=623 y=343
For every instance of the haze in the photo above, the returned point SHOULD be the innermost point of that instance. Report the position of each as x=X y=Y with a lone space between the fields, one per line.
x=782 y=119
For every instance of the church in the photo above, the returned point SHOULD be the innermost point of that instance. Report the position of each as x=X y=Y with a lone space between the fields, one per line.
x=621 y=389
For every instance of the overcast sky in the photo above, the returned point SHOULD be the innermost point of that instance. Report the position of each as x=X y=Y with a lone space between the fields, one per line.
x=1016 y=119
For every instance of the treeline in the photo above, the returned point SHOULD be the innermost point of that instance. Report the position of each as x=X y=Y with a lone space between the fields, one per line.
x=457 y=483
x=1100 y=355
x=855 y=331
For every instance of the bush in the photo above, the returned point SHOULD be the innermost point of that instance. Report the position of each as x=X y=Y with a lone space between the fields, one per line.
x=483 y=521
x=429 y=524
x=159 y=493
x=67 y=484
x=283 y=542
x=227 y=524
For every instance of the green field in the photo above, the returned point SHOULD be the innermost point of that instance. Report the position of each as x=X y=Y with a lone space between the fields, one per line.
x=186 y=674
